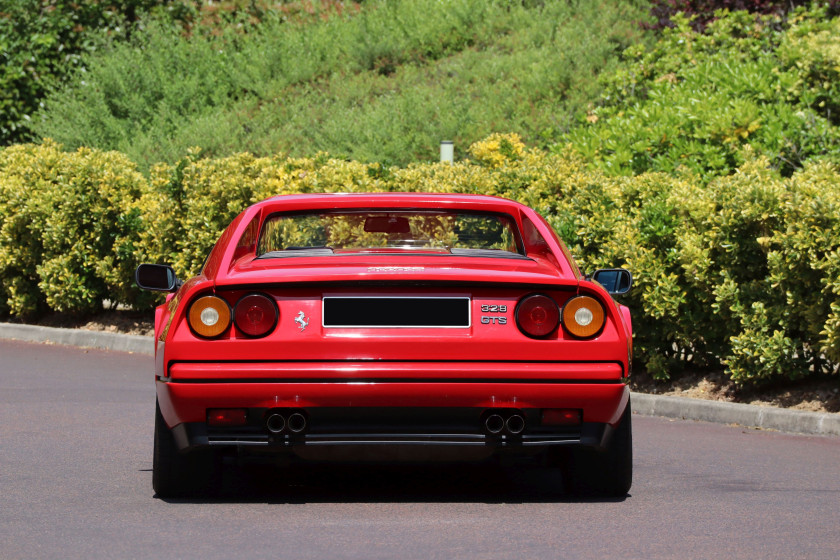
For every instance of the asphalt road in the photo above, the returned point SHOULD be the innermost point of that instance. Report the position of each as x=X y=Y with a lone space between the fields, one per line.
x=75 y=481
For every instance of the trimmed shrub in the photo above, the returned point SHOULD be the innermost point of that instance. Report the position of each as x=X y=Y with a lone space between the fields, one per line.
x=758 y=254
x=67 y=230
x=741 y=272
x=190 y=203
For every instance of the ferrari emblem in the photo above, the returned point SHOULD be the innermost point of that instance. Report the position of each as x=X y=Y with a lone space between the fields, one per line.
x=302 y=321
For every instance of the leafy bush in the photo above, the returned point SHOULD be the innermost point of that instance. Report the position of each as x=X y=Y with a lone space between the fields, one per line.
x=742 y=271
x=759 y=253
x=67 y=230
x=192 y=202
x=385 y=83
x=696 y=99
x=44 y=42
x=701 y=12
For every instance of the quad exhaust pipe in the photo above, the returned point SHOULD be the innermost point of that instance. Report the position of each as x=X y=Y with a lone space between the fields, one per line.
x=278 y=423
x=508 y=422
x=515 y=424
x=296 y=422
x=494 y=424
x=275 y=423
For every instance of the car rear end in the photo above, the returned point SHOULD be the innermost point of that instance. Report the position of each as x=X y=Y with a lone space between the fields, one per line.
x=395 y=364
x=391 y=352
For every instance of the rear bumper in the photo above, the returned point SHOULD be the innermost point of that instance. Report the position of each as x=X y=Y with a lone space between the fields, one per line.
x=392 y=403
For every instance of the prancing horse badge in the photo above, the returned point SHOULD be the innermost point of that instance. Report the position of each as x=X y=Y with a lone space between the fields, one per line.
x=302 y=321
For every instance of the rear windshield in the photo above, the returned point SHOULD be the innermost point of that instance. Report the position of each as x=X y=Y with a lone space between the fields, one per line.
x=353 y=231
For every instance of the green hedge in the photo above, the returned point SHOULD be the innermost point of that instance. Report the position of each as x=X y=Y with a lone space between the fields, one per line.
x=695 y=99
x=67 y=229
x=743 y=271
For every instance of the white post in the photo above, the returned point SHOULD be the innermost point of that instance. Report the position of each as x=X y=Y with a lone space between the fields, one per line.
x=447 y=151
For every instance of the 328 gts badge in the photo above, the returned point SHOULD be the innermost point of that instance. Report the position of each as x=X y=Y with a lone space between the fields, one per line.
x=493 y=319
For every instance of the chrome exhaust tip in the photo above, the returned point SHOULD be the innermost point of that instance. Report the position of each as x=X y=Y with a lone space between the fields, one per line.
x=297 y=422
x=515 y=424
x=275 y=423
x=494 y=423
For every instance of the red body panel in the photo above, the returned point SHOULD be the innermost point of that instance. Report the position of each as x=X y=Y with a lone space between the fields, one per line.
x=488 y=364
x=599 y=402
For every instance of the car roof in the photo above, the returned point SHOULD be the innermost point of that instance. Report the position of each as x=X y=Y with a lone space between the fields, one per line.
x=389 y=200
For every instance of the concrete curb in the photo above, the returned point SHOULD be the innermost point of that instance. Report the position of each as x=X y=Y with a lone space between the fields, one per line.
x=77 y=337
x=766 y=417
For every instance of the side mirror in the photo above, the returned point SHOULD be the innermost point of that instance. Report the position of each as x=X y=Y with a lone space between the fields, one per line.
x=156 y=278
x=616 y=281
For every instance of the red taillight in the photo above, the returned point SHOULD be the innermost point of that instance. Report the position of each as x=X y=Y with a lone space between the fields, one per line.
x=560 y=417
x=255 y=315
x=537 y=315
x=222 y=417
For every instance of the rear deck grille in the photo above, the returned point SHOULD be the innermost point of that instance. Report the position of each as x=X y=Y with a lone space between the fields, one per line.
x=396 y=312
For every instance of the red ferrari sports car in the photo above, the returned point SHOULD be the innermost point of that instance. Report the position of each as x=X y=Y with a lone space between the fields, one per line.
x=386 y=327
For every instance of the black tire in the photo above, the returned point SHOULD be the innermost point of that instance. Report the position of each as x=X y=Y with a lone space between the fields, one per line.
x=603 y=472
x=176 y=474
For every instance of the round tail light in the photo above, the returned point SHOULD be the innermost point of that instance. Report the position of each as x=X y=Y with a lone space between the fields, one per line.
x=209 y=316
x=255 y=315
x=583 y=316
x=537 y=316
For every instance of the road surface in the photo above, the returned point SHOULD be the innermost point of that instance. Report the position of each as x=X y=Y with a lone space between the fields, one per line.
x=75 y=482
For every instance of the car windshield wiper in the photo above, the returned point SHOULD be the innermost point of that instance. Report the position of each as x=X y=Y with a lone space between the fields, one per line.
x=494 y=253
x=298 y=251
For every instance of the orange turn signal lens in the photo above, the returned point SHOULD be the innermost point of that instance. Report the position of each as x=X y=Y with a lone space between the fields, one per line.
x=583 y=316
x=209 y=316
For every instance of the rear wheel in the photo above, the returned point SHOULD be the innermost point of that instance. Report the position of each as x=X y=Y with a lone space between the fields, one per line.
x=606 y=472
x=176 y=474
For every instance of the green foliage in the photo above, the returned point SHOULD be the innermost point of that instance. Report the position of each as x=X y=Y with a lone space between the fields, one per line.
x=758 y=256
x=44 y=42
x=67 y=230
x=383 y=83
x=741 y=271
x=695 y=100
x=192 y=202
x=701 y=12
x=811 y=51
